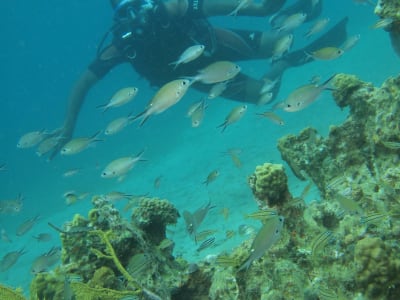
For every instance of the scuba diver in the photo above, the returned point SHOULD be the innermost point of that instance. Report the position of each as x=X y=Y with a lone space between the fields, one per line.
x=150 y=34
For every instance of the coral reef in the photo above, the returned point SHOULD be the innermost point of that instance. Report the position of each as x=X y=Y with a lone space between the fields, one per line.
x=356 y=171
x=153 y=215
x=390 y=10
x=378 y=267
x=269 y=185
x=10 y=294
x=343 y=246
x=99 y=249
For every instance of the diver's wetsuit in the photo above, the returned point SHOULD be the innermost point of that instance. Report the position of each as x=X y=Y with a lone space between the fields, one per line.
x=151 y=47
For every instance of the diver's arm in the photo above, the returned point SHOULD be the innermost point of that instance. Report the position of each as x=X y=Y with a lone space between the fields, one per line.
x=75 y=101
x=226 y=7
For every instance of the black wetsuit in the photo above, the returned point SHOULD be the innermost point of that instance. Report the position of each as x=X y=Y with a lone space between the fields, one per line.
x=152 y=47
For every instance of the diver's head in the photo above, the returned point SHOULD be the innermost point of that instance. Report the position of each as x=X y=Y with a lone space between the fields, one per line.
x=131 y=10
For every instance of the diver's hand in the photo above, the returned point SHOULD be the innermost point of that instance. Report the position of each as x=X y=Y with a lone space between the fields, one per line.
x=64 y=136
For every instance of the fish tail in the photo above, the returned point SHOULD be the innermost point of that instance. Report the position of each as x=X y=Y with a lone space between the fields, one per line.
x=144 y=119
x=56 y=228
x=134 y=118
x=245 y=265
x=222 y=126
x=328 y=80
x=104 y=107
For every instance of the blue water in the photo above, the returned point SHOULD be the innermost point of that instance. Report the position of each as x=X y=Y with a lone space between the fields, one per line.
x=47 y=44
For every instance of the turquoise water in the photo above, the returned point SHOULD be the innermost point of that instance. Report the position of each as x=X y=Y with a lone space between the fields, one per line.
x=45 y=48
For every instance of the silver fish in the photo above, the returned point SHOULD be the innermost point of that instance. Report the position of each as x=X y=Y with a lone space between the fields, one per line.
x=168 y=95
x=303 y=96
x=10 y=259
x=43 y=262
x=193 y=220
x=121 y=166
x=120 y=98
x=265 y=238
x=188 y=55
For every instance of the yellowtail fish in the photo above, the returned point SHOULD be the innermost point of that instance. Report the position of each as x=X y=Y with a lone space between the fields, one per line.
x=391 y=145
x=217 y=72
x=269 y=233
x=198 y=115
x=315 y=79
x=71 y=172
x=282 y=46
x=77 y=145
x=121 y=97
x=10 y=258
x=229 y=234
x=117 y=125
x=46 y=145
x=157 y=182
x=326 y=53
x=374 y=218
x=27 y=225
x=369 y=2
x=206 y=244
x=194 y=220
x=138 y=264
x=350 y=42
x=270 y=115
x=303 y=96
x=3 y=167
x=292 y=22
x=245 y=230
x=168 y=95
x=217 y=89
x=318 y=26
x=211 y=177
x=234 y=155
x=193 y=107
x=268 y=85
x=31 y=139
x=4 y=236
x=225 y=212
x=13 y=206
x=133 y=201
x=242 y=4
x=72 y=197
x=348 y=204
x=45 y=261
x=265 y=98
x=382 y=23
x=227 y=261
x=42 y=237
x=189 y=55
x=263 y=214
x=121 y=166
x=202 y=235
x=116 y=196
x=320 y=242
x=235 y=115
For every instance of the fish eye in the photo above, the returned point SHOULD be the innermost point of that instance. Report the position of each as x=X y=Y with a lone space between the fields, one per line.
x=104 y=174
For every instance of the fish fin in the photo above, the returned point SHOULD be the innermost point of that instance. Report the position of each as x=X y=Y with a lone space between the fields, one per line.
x=245 y=265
